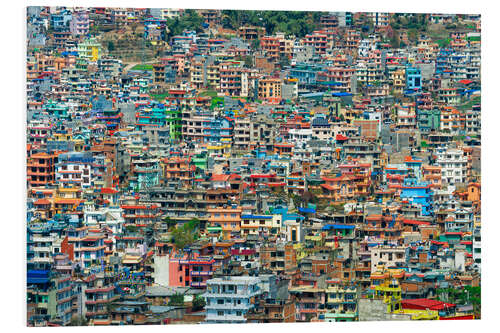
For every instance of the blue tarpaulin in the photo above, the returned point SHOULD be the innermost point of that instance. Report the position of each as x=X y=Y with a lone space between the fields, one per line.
x=337 y=226
x=37 y=276
x=307 y=210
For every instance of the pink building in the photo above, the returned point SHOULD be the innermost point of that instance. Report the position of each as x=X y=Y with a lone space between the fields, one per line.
x=79 y=24
x=190 y=270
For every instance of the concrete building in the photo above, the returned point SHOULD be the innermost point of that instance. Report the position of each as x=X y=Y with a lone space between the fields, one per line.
x=229 y=299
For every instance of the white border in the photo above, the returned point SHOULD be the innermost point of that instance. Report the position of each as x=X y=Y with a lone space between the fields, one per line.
x=14 y=157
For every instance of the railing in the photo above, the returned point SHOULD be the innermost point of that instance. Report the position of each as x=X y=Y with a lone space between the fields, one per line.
x=229 y=306
x=201 y=273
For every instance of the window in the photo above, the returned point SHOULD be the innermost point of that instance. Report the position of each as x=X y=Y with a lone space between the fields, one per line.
x=220 y=313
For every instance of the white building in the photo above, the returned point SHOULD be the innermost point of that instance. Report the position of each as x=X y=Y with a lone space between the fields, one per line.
x=110 y=217
x=389 y=256
x=230 y=298
x=476 y=247
x=74 y=169
x=453 y=165
x=300 y=135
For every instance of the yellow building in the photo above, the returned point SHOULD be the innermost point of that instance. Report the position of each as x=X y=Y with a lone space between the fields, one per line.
x=398 y=81
x=90 y=49
x=269 y=88
x=386 y=286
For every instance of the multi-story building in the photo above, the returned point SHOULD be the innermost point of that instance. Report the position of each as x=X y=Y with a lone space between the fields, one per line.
x=85 y=246
x=260 y=224
x=74 y=169
x=230 y=298
x=228 y=218
x=278 y=258
x=388 y=256
x=251 y=33
x=41 y=169
x=269 y=89
x=341 y=301
x=191 y=271
x=233 y=79
x=453 y=165
x=79 y=24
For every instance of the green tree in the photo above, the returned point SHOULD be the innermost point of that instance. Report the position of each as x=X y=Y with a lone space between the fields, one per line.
x=182 y=238
x=255 y=45
x=395 y=42
x=198 y=303
x=176 y=300
x=192 y=225
x=78 y=321
x=131 y=229
x=170 y=223
x=284 y=61
x=111 y=46
x=186 y=234
x=248 y=61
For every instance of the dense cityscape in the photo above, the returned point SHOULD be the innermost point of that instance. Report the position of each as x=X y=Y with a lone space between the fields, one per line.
x=220 y=166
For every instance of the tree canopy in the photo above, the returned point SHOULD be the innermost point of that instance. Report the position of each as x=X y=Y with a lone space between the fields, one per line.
x=186 y=234
x=289 y=22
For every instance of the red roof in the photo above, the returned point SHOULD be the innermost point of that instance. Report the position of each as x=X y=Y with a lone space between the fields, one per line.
x=328 y=187
x=425 y=303
x=341 y=137
x=42 y=202
x=108 y=190
x=439 y=243
x=220 y=178
x=415 y=222
x=465 y=81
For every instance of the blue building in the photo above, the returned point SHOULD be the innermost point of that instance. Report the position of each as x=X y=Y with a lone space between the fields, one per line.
x=413 y=78
x=60 y=22
x=306 y=73
x=155 y=29
x=443 y=60
x=218 y=129
x=417 y=193
x=151 y=117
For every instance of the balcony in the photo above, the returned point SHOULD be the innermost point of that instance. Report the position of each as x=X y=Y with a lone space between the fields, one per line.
x=41 y=249
x=99 y=290
x=228 y=306
x=42 y=260
x=231 y=318
x=201 y=273
x=102 y=301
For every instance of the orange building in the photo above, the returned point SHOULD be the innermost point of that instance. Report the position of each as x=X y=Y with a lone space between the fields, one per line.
x=339 y=188
x=474 y=192
x=318 y=41
x=177 y=168
x=271 y=45
x=41 y=169
x=228 y=218
x=251 y=33
x=432 y=174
